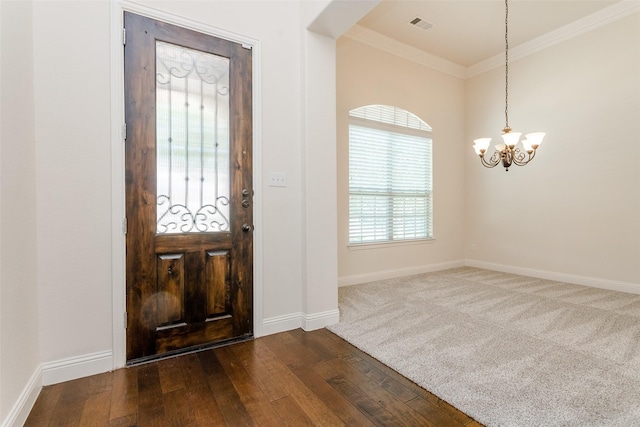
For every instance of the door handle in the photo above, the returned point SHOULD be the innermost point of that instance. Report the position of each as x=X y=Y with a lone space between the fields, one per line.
x=247 y=228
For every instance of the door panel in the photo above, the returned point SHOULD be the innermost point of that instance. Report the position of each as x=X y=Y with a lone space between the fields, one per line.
x=188 y=189
x=217 y=278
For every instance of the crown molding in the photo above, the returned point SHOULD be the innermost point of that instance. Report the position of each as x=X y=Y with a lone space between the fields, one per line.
x=598 y=19
x=394 y=47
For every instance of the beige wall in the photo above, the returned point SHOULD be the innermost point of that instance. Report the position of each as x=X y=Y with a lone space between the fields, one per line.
x=367 y=76
x=575 y=209
x=572 y=214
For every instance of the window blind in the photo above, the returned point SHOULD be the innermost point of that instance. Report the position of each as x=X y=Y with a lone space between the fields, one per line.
x=390 y=188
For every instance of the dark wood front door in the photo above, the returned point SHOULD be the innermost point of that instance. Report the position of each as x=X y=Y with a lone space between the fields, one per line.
x=189 y=189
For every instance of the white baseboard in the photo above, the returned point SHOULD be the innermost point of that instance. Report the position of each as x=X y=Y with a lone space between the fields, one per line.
x=308 y=322
x=632 y=288
x=20 y=411
x=320 y=320
x=401 y=272
x=274 y=325
x=77 y=367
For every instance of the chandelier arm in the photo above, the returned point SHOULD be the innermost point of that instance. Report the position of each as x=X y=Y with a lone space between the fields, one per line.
x=519 y=160
x=489 y=165
x=519 y=156
x=494 y=160
x=495 y=157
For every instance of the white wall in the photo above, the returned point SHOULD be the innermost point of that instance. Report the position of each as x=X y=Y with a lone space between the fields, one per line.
x=67 y=179
x=73 y=125
x=72 y=114
x=19 y=349
x=74 y=173
x=575 y=209
x=370 y=76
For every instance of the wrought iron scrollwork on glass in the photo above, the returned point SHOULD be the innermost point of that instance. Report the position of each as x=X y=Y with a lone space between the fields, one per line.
x=180 y=62
x=192 y=147
x=178 y=218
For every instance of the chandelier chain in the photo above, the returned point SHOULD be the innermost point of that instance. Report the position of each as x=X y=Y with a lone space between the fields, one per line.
x=506 y=64
x=508 y=154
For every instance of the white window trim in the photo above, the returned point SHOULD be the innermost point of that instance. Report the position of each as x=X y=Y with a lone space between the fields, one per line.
x=390 y=244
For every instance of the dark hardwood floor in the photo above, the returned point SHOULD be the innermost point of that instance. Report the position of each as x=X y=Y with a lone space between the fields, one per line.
x=294 y=378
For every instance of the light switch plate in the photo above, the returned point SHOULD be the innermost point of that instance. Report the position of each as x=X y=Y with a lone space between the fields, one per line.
x=277 y=179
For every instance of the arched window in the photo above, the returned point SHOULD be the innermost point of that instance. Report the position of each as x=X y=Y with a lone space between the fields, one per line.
x=390 y=186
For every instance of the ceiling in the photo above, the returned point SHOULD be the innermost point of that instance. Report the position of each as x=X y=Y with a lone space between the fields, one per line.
x=468 y=32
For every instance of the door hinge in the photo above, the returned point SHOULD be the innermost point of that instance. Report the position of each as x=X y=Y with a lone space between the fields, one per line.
x=124 y=226
x=247 y=46
x=124 y=36
x=124 y=131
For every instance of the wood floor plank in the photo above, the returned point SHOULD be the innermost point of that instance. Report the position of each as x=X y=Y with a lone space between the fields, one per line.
x=305 y=350
x=191 y=387
x=373 y=410
x=457 y=414
x=301 y=364
x=343 y=408
x=435 y=414
x=269 y=382
x=335 y=344
x=233 y=410
x=68 y=409
x=150 y=403
x=178 y=411
x=384 y=380
x=193 y=372
x=251 y=394
x=95 y=412
x=171 y=376
x=44 y=406
x=311 y=343
x=291 y=414
x=370 y=388
x=124 y=395
x=130 y=420
x=286 y=352
x=206 y=411
x=314 y=407
x=293 y=378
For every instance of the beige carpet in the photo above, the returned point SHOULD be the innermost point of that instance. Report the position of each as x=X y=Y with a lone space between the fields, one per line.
x=507 y=350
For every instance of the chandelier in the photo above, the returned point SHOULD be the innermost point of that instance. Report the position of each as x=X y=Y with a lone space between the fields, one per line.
x=507 y=153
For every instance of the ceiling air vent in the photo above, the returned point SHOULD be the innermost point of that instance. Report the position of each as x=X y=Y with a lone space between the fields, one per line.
x=421 y=23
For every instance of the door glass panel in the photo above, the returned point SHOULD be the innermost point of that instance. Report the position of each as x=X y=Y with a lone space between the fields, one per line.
x=192 y=140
